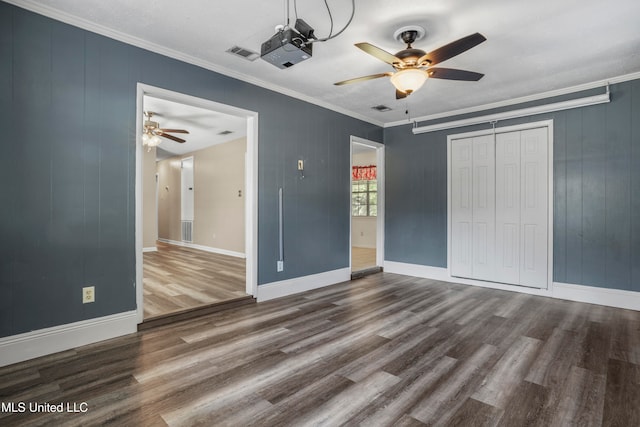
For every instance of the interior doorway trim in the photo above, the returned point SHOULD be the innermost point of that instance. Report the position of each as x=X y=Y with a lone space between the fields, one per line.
x=251 y=183
x=381 y=197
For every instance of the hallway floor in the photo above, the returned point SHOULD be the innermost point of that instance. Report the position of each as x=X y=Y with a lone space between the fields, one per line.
x=362 y=258
x=177 y=278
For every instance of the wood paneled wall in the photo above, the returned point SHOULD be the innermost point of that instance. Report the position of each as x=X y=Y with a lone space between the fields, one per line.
x=596 y=198
x=68 y=115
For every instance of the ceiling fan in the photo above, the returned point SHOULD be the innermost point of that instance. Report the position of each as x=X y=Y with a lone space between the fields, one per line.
x=413 y=66
x=152 y=131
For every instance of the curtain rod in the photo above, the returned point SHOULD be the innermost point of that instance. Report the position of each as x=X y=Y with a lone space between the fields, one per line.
x=540 y=109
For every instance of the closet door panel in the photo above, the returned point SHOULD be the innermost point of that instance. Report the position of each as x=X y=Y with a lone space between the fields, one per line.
x=534 y=207
x=499 y=207
x=483 y=208
x=461 y=207
x=507 y=252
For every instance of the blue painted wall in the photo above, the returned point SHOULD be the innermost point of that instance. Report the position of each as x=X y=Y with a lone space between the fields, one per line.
x=596 y=196
x=67 y=114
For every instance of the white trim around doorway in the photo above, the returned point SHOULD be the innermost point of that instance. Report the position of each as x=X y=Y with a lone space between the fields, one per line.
x=251 y=184
x=381 y=199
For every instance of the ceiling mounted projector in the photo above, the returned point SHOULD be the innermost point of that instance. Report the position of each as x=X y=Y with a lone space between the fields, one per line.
x=288 y=46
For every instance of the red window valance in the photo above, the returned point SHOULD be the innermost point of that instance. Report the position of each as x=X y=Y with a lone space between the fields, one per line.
x=364 y=173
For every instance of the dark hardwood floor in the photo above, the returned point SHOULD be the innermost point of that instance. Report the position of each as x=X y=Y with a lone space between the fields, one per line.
x=178 y=278
x=382 y=350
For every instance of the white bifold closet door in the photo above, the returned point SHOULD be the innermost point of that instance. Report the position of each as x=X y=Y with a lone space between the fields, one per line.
x=508 y=188
x=483 y=208
x=534 y=207
x=499 y=207
x=461 y=207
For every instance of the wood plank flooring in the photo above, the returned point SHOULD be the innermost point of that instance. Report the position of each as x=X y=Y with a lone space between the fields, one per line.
x=177 y=278
x=383 y=350
x=362 y=258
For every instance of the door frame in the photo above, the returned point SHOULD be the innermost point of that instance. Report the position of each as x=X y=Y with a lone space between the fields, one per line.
x=250 y=193
x=519 y=127
x=380 y=168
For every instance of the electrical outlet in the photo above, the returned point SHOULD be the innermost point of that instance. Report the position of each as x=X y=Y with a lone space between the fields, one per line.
x=279 y=266
x=88 y=294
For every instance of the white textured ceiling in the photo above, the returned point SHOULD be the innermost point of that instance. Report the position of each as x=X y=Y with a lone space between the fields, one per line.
x=532 y=47
x=204 y=126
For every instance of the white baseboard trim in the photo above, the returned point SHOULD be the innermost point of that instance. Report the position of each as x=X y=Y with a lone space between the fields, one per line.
x=601 y=296
x=150 y=249
x=442 y=274
x=415 y=270
x=296 y=285
x=29 y=345
x=204 y=248
x=589 y=294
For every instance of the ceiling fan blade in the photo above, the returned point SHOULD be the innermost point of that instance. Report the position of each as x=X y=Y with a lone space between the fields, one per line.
x=175 y=130
x=400 y=94
x=363 y=78
x=381 y=54
x=173 y=138
x=452 y=49
x=453 y=74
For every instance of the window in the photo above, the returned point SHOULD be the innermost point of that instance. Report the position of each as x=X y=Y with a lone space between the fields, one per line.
x=364 y=198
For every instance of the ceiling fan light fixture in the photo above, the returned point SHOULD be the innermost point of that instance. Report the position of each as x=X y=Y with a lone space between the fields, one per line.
x=154 y=141
x=409 y=80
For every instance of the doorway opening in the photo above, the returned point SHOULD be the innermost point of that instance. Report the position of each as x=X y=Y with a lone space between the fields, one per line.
x=196 y=206
x=367 y=207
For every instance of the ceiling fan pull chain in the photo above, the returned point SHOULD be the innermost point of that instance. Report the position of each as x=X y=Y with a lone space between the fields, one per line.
x=406 y=111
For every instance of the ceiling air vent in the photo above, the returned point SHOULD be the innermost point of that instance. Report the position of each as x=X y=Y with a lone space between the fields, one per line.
x=225 y=132
x=244 y=53
x=381 y=108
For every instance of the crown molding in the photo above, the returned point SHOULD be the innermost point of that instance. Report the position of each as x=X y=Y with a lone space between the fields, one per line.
x=521 y=100
x=93 y=27
x=153 y=47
